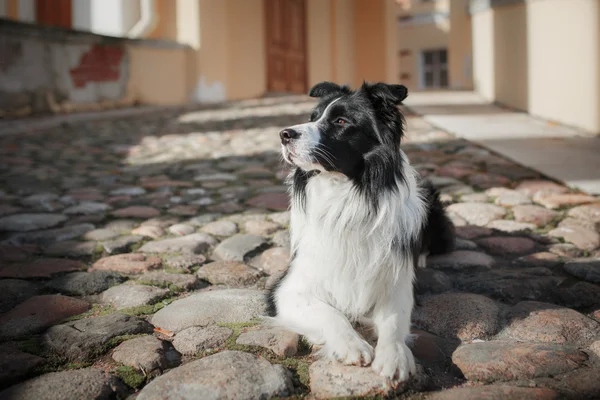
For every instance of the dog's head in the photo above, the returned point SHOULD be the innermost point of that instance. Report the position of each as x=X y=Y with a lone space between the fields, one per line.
x=346 y=128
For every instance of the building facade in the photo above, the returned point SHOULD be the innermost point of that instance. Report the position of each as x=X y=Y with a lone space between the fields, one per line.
x=540 y=56
x=434 y=39
x=212 y=50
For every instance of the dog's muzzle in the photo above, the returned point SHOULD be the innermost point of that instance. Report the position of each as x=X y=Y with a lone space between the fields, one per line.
x=287 y=135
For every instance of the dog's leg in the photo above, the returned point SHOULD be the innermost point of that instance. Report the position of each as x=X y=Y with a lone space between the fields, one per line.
x=322 y=324
x=393 y=358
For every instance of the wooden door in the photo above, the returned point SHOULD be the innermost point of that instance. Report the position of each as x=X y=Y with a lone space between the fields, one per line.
x=54 y=13
x=286 y=45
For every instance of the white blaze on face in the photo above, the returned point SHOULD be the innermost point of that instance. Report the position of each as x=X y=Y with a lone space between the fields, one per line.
x=300 y=151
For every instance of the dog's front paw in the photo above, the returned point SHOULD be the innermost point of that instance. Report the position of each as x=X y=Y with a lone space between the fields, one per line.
x=394 y=361
x=350 y=351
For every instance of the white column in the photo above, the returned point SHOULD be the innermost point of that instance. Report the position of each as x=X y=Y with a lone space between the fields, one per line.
x=27 y=11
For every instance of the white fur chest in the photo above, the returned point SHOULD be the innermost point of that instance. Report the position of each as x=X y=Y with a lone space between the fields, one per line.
x=345 y=255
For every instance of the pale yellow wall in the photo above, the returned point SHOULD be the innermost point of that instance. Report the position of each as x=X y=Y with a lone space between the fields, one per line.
x=564 y=61
x=247 y=61
x=482 y=24
x=344 y=42
x=166 y=20
x=391 y=41
x=318 y=41
x=158 y=75
x=372 y=46
x=460 y=52
x=510 y=55
x=213 y=54
x=417 y=38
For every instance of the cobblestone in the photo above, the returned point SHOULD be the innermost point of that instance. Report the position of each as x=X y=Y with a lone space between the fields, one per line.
x=195 y=201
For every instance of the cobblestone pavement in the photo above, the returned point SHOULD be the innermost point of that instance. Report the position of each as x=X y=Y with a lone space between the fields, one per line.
x=135 y=251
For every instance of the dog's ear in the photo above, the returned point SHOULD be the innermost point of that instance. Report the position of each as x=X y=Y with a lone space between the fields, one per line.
x=382 y=92
x=325 y=88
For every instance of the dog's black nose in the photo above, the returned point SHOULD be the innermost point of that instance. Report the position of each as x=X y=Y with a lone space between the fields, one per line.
x=287 y=135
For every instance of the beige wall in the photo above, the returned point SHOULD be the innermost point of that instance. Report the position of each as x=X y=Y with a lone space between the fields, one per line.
x=527 y=57
x=460 y=52
x=344 y=53
x=318 y=41
x=158 y=75
x=375 y=41
x=564 y=61
x=510 y=55
x=166 y=21
x=483 y=54
x=391 y=42
x=247 y=61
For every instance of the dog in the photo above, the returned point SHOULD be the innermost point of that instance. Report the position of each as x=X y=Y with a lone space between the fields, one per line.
x=361 y=222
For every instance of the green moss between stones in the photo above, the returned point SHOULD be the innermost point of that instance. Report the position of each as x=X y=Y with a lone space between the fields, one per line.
x=551 y=225
x=165 y=256
x=31 y=345
x=97 y=253
x=148 y=309
x=117 y=340
x=136 y=246
x=165 y=285
x=131 y=376
x=230 y=343
x=75 y=365
x=97 y=310
x=300 y=367
x=510 y=215
x=179 y=271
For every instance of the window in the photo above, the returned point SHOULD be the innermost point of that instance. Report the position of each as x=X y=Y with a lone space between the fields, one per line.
x=434 y=67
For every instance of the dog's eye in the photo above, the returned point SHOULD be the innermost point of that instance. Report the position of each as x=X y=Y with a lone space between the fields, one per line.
x=341 y=121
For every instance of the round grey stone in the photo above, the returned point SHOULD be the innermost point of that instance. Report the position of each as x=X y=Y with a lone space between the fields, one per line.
x=586 y=269
x=86 y=383
x=226 y=375
x=479 y=214
x=127 y=296
x=85 y=283
x=220 y=228
x=185 y=262
x=181 y=229
x=194 y=340
x=50 y=236
x=122 y=244
x=100 y=234
x=87 y=208
x=189 y=244
x=87 y=338
x=211 y=307
x=30 y=222
x=282 y=239
x=147 y=353
x=460 y=259
x=128 y=191
x=238 y=247
x=465 y=316
x=161 y=278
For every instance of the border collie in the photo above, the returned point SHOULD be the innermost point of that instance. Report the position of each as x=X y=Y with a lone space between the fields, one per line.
x=360 y=223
